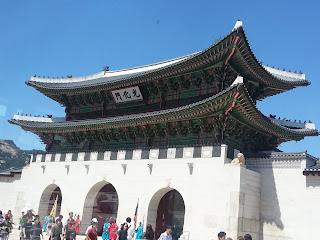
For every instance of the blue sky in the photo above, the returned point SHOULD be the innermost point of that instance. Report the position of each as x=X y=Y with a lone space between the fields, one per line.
x=60 y=38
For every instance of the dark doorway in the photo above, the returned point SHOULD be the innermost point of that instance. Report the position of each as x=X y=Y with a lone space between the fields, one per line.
x=56 y=192
x=105 y=205
x=170 y=211
x=47 y=200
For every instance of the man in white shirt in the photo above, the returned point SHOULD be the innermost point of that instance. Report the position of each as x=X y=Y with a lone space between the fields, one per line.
x=131 y=230
x=167 y=234
x=93 y=220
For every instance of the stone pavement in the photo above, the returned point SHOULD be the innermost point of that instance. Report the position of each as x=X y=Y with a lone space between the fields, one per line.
x=15 y=235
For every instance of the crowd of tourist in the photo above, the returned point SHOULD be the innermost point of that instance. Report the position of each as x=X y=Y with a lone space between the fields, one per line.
x=6 y=222
x=126 y=231
x=31 y=228
x=222 y=236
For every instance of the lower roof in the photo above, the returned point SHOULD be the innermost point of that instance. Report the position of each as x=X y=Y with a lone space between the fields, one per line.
x=234 y=101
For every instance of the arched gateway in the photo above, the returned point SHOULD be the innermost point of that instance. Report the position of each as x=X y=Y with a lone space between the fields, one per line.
x=47 y=200
x=102 y=203
x=167 y=208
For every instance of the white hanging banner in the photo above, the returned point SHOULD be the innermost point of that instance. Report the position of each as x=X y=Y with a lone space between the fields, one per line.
x=127 y=94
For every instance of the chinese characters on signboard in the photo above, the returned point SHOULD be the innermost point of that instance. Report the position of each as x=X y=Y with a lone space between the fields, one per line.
x=127 y=94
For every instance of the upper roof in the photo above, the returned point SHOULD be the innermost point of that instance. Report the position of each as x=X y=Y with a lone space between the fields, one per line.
x=102 y=77
x=243 y=61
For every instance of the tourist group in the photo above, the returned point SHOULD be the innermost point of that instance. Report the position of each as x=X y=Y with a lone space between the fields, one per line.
x=31 y=228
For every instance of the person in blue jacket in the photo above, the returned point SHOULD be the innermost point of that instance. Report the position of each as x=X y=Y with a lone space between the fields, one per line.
x=105 y=233
x=139 y=231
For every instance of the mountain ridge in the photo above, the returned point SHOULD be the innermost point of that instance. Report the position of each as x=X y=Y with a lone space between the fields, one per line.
x=13 y=156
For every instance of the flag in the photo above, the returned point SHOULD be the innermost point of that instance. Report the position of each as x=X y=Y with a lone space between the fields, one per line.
x=54 y=208
x=136 y=215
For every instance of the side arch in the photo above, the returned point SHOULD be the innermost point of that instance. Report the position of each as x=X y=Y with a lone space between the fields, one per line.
x=102 y=203
x=167 y=207
x=47 y=200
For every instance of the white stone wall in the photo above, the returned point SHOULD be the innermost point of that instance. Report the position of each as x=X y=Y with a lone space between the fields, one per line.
x=249 y=203
x=8 y=194
x=208 y=185
x=274 y=195
x=289 y=200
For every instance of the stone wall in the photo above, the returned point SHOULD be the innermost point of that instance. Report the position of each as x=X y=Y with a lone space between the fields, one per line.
x=270 y=200
x=289 y=200
x=8 y=193
x=215 y=194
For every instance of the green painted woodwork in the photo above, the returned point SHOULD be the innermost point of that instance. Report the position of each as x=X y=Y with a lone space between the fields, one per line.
x=171 y=104
x=132 y=104
x=189 y=93
x=183 y=141
x=193 y=86
x=208 y=122
x=86 y=109
x=143 y=108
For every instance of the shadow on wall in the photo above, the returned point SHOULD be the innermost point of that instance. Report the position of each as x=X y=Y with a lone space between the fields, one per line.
x=270 y=212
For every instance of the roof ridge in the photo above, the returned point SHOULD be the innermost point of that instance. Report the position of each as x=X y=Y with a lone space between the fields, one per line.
x=127 y=76
x=281 y=80
x=69 y=80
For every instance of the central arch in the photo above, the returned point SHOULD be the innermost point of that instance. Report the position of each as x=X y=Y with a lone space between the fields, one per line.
x=102 y=203
x=47 y=200
x=167 y=208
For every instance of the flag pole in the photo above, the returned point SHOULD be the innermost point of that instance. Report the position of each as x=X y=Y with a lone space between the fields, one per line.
x=54 y=208
x=136 y=215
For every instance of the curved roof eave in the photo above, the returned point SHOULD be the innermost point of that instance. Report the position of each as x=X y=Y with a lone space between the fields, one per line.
x=122 y=78
x=269 y=76
x=142 y=116
x=261 y=73
x=253 y=118
x=104 y=77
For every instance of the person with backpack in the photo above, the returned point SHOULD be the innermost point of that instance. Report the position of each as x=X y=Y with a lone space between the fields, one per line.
x=131 y=230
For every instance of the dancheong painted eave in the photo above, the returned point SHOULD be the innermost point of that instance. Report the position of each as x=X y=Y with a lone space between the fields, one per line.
x=233 y=102
x=232 y=50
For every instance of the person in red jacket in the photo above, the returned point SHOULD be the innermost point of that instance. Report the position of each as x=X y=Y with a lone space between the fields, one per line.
x=113 y=229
